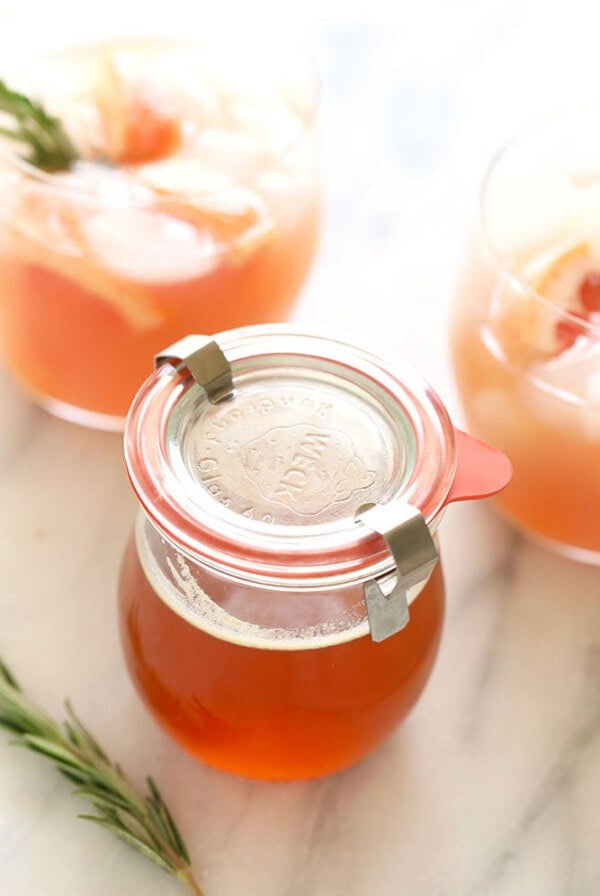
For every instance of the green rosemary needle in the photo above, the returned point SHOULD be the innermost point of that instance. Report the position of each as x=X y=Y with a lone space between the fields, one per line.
x=49 y=145
x=142 y=821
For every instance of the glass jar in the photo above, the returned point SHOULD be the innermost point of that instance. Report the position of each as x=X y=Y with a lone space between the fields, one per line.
x=281 y=599
x=205 y=217
x=526 y=330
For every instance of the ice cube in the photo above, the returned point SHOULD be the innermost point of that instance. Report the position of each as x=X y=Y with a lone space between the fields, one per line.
x=231 y=152
x=99 y=184
x=50 y=211
x=129 y=63
x=565 y=391
x=242 y=74
x=275 y=126
x=185 y=176
x=570 y=372
x=184 y=73
x=521 y=223
x=149 y=247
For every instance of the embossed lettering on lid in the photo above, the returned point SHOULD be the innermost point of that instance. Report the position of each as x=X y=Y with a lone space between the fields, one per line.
x=270 y=481
x=290 y=449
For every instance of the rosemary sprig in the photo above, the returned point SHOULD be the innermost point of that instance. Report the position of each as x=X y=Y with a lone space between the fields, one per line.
x=142 y=821
x=49 y=145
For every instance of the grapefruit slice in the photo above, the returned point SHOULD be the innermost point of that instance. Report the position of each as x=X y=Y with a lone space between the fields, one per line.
x=529 y=329
x=139 y=121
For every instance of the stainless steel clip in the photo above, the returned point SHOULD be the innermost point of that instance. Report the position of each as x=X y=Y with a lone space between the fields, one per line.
x=205 y=361
x=415 y=554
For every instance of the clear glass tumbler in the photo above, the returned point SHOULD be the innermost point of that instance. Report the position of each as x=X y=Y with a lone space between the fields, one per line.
x=526 y=330
x=195 y=208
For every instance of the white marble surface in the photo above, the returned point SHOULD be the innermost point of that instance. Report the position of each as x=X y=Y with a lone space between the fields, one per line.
x=492 y=787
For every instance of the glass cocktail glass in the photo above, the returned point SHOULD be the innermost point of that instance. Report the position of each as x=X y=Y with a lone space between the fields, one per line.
x=196 y=210
x=526 y=330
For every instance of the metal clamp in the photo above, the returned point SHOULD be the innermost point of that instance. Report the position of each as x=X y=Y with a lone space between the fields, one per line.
x=205 y=361
x=415 y=554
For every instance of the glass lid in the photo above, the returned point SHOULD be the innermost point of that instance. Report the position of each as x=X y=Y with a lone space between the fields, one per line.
x=267 y=476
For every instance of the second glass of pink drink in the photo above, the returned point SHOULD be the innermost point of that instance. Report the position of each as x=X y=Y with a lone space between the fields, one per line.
x=526 y=330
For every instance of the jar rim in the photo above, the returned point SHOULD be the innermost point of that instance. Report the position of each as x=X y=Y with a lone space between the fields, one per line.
x=313 y=554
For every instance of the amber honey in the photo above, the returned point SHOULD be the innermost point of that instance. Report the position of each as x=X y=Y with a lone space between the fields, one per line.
x=267 y=712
